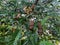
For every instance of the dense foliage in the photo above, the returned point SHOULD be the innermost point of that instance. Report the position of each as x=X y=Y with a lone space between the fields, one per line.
x=29 y=22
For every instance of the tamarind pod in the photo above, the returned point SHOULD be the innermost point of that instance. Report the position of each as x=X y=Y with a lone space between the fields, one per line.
x=40 y=29
x=18 y=16
x=31 y=25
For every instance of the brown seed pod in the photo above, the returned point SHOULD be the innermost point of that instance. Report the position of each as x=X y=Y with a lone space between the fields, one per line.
x=39 y=25
x=31 y=24
x=27 y=10
x=32 y=7
x=31 y=27
x=40 y=32
x=40 y=29
x=18 y=16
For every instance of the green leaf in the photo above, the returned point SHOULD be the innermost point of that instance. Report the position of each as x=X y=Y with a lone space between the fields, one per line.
x=17 y=38
x=46 y=42
x=44 y=20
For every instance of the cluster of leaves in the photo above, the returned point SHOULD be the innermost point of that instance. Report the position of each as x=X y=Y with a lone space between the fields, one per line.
x=15 y=31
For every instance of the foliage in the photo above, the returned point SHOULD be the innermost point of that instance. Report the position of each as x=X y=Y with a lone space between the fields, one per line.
x=15 y=18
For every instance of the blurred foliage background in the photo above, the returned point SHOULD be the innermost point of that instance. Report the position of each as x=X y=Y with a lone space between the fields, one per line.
x=22 y=25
